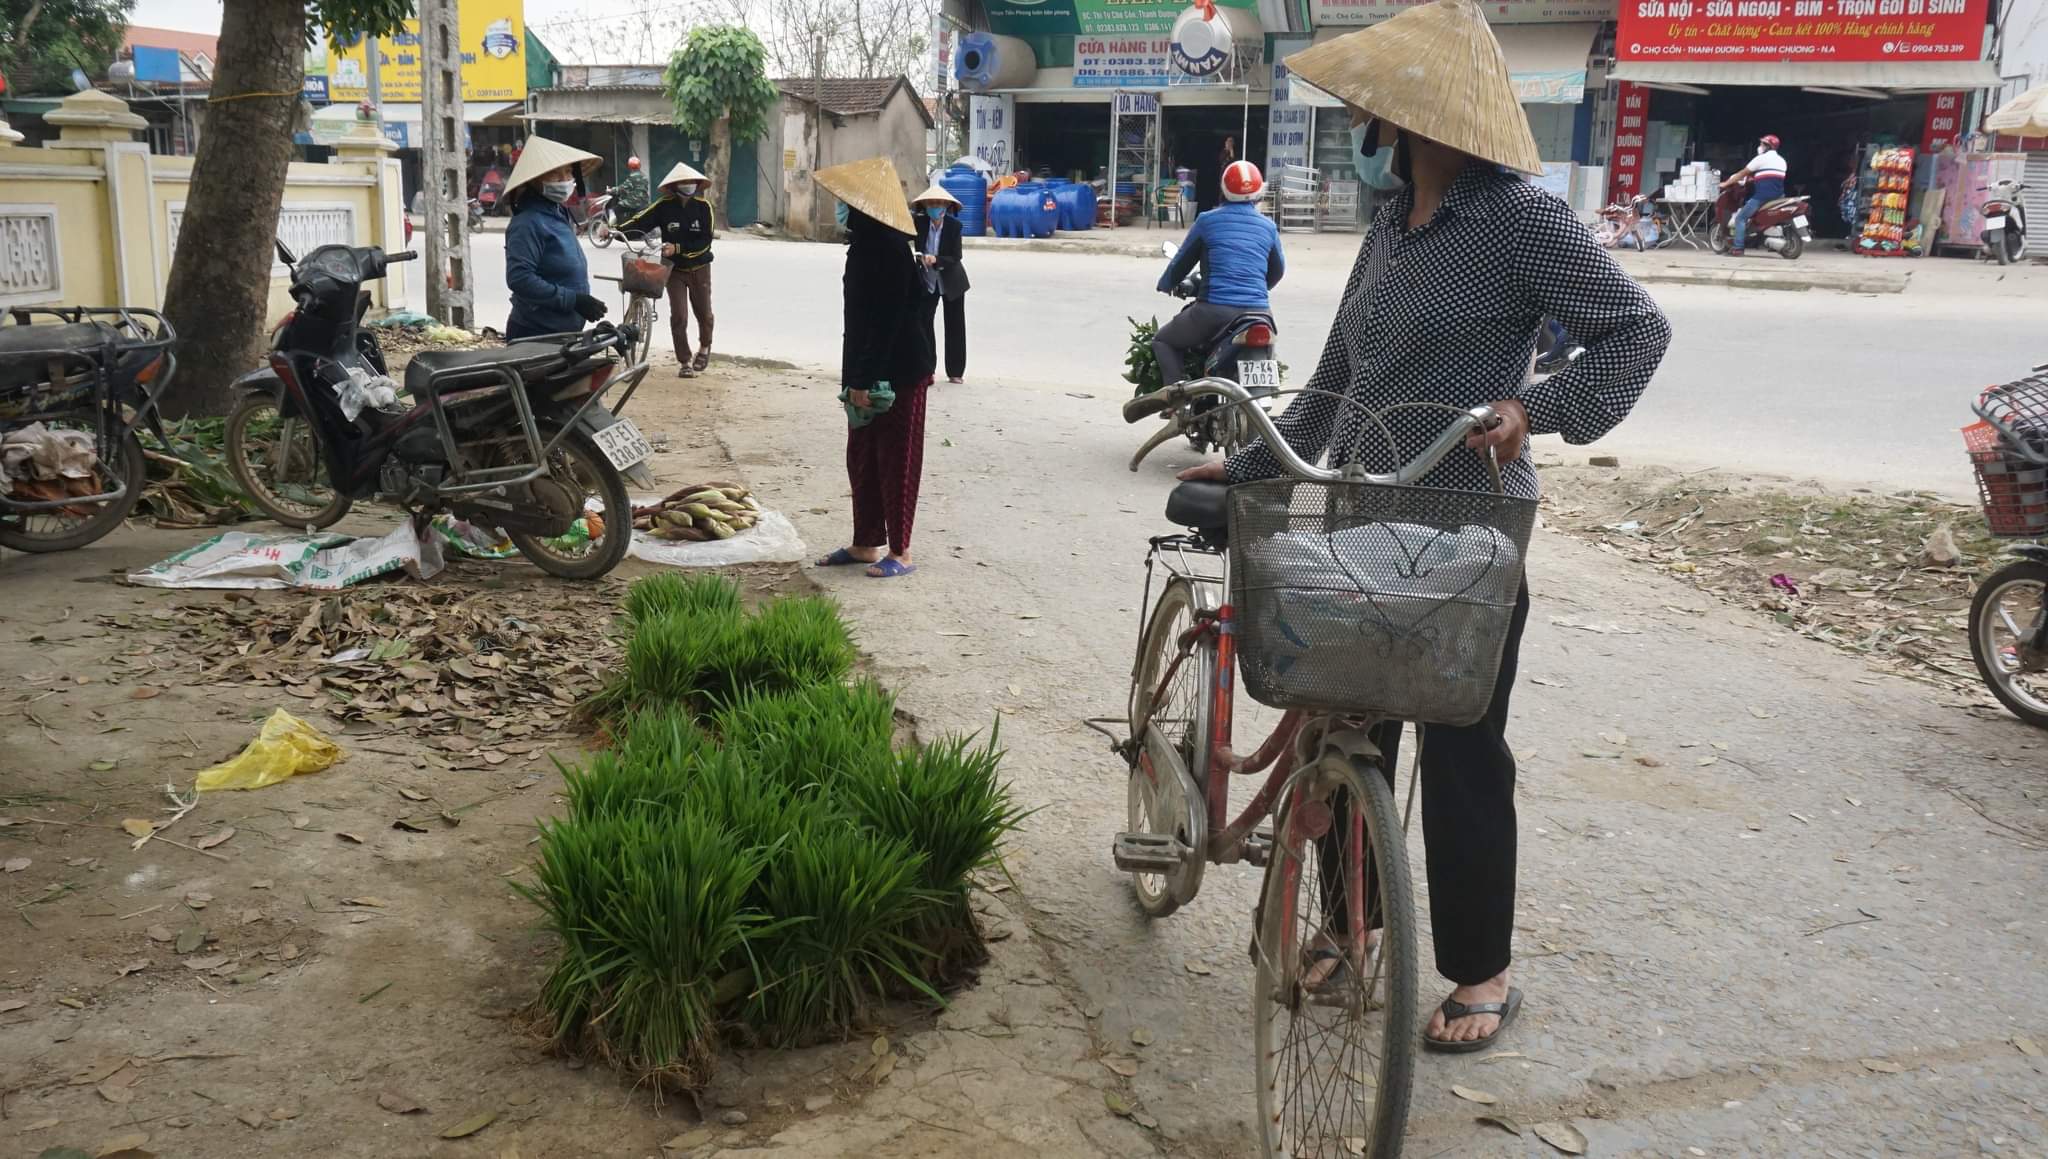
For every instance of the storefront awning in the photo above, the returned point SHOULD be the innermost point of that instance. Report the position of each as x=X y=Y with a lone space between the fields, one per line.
x=1546 y=62
x=602 y=118
x=1895 y=75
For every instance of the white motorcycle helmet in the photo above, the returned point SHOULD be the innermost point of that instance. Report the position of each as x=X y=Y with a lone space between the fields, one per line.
x=1242 y=181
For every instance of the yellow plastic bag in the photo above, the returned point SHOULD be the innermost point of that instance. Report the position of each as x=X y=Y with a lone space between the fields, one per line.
x=286 y=747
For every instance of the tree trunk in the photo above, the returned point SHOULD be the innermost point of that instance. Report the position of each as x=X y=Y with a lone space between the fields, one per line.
x=218 y=295
x=720 y=161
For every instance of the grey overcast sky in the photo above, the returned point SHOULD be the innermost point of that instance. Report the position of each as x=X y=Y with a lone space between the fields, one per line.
x=204 y=15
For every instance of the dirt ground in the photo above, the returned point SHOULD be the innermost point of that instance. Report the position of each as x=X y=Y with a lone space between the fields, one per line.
x=337 y=964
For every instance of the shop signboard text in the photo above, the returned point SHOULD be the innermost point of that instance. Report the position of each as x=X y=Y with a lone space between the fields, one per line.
x=1130 y=62
x=493 y=64
x=1802 y=30
x=1288 y=122
x=1113 y=18
x=992 y=131
x=1031 y=17
x=1355 y=12
x=1944 y=122
x=1631 y=122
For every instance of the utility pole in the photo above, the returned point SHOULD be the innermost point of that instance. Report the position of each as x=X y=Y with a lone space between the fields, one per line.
x=373 y=62
x=444 y=161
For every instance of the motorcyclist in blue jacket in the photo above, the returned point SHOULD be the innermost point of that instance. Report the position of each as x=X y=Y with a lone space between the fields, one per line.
x=1239 y=248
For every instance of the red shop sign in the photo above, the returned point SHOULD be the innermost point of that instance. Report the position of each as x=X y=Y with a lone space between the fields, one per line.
x=1800 y=30
x=1625 y=164
x=1944 y=121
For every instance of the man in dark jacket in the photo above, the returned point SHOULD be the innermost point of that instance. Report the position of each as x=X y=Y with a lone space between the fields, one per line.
x=1239 y=249
x=682 y=218
x=938 y=248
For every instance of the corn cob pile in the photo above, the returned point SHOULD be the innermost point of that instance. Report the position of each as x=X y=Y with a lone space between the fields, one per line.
x=700 y=512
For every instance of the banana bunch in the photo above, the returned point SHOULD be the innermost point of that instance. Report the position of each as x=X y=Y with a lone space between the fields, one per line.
x=701 y=512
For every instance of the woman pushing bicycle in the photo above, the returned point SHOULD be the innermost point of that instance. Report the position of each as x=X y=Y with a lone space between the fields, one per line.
x=1464 y=261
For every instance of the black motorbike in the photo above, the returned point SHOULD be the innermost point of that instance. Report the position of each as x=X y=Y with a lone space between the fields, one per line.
x=2009 y=615
x=1240 y=350
x=75 y=384
x=511 y=437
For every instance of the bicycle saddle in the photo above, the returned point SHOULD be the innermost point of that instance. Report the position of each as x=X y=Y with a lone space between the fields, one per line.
x=1200 y=506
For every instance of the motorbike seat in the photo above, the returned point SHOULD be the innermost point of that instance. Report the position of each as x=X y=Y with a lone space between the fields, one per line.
x=1238 y=321
x=527 y=359
x=1200 y=506
x=64 y=336
x=1781 y=203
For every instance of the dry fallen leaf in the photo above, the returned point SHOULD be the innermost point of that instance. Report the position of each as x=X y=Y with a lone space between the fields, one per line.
x=1474 y=1095
x=208 y=963
x=1117 y=1103
x=1141 y=1036
x=1503 y=1122
x=137 y=827
x=351 y=838
x=1882 y=1066
x=370 y=902
x=2026 y=1046
x=123 y=1146
x=135 y=967
x=471 y=1125
x=1562 y=1136
x=145 y=693
x=11 y=1005
x=879 y=1047
x=251 y=1119
x=41 y=1125
x=159 y=933
x=300 y=820
x=198 y=900
x=1127 y=1067
x=15 y=864
x=213 y=839
x=1199 y=968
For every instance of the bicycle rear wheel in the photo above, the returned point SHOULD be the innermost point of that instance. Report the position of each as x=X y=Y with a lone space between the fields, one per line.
x=1335 y=1060
x=1169 y=714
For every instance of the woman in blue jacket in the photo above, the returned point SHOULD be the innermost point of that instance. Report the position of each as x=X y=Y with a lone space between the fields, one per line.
x=544 y=265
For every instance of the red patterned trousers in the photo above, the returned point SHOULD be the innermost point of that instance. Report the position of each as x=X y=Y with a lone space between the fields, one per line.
x=884 y=461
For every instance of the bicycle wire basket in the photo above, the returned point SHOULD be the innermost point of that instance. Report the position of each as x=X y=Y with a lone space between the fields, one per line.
x=1372 y=599
x=643 y=275
x=2009 y=453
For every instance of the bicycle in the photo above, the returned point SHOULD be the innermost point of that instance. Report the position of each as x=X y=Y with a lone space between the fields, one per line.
x=643 y=279
x=1345 y=599
x=2009 y=616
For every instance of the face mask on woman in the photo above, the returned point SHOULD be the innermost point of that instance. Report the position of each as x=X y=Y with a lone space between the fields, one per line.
x=839 y=213
x=1377 y=167
x=558 y=191
x=935 y=212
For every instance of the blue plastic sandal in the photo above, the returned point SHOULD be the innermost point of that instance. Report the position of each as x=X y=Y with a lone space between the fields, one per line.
x=889 y=568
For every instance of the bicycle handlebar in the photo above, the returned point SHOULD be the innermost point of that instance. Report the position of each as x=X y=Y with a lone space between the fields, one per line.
x=402 y=256
x=1477 y=418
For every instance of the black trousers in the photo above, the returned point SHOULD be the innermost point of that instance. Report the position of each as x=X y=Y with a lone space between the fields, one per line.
x=1468 y=832
x=956 y=336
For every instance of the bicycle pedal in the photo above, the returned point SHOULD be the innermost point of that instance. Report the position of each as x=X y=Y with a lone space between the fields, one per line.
x=1148 y=852
x=1258 y=848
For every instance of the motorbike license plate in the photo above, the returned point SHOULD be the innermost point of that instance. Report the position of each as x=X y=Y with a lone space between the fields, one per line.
x=1994 y=223
x=1263 y=372
x=1800 y=221
x=622 y=443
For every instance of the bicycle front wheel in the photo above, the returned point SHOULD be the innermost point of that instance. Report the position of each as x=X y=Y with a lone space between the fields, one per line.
x=1333 y=1013
x=1169 y=714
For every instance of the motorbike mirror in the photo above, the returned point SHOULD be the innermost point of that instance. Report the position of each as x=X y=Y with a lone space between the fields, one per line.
x=284 y=253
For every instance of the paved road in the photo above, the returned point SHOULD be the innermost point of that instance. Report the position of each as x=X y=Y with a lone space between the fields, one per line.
x=1860 y=391
x=1712 y=940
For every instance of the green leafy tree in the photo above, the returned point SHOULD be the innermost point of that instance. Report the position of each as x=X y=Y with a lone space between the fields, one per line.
x=41 y=41
x=718 y=81
x=218 y=294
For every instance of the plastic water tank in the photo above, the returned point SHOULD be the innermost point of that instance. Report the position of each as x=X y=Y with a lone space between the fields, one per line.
x=1027 y=210
x=969 y=185
x=1076 y=205
x=1042 y=211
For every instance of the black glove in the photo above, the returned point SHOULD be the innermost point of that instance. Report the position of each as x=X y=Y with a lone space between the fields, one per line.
x=589 y=307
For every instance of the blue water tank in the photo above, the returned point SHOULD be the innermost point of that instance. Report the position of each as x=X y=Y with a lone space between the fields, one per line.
x=1076 y=204
x=1026 y=210
x=969 y=185
x=1042 y=212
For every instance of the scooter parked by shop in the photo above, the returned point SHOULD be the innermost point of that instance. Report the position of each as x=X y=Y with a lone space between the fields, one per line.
x=2005 y=220
x=1779 y=225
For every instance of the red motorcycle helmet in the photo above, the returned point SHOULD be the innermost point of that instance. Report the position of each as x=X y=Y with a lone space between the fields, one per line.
x=1769 y=141
x=1242 y=181
x=633 y=163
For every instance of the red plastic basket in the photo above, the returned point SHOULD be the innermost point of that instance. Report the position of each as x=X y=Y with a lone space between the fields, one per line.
x=2013 y=488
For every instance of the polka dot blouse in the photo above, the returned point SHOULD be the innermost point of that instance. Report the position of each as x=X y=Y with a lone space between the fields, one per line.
x=1449 y=313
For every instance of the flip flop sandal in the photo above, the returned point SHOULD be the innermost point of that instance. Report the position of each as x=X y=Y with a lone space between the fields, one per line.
x=1334 y=978
x=891 y=569
x=1454 y=1010
x=702 y=360
x=840 y=557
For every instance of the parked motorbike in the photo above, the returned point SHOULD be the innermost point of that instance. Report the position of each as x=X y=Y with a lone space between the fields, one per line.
x=1241 y=350
x=511 y=437
x=2009 y=616
x=597 y=220
x=1779 y=225
x=476 y=214
x=2005 y=220
x=76 y=382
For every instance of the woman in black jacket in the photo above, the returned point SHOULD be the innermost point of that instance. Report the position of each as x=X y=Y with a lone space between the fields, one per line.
x=885 y=365
x=938 y=247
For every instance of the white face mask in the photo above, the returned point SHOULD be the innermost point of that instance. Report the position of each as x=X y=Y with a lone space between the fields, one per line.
x=558 y=191
x=1762 y=149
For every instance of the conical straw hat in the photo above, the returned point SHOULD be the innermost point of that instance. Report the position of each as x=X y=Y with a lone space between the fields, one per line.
x=870 y=186
x=1435 y=71
x=542 y=156
x=682 y=172
x=2026 y=115
x=935 y=193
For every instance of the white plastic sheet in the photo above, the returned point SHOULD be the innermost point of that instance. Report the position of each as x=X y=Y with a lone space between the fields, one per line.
x=773 y=539
x=313 y=562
